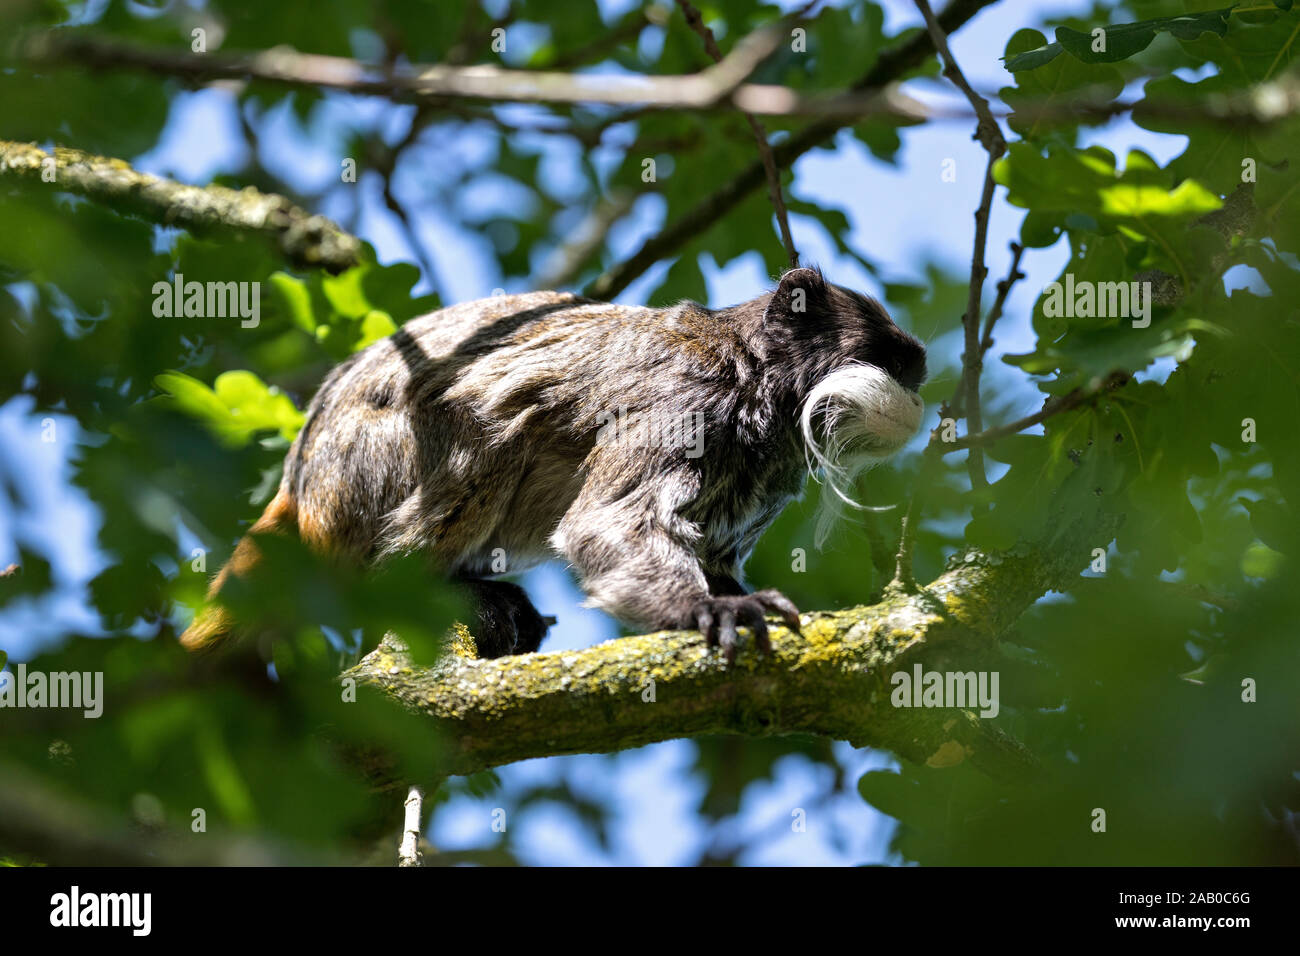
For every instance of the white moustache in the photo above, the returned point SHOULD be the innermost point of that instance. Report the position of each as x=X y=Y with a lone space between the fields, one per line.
x=866 y=416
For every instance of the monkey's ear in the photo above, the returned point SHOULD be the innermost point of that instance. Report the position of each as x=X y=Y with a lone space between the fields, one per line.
x=801 y=292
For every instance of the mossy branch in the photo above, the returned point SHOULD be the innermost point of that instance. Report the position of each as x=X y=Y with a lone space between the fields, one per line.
x=306 y=240
x=833 y=680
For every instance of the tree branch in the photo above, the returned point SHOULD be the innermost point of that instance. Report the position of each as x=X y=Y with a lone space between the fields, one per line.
x=889 y=67
x=1014 y=275
x=567 y=261
x=408 y=852
x=832 y=681
x=760 y=135
x=990 y=137
x=306 y=240
x=1080 y=396
x=429 y=84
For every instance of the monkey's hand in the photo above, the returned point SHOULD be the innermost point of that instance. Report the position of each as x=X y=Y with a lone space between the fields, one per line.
x=635 y=554
x=717 y=617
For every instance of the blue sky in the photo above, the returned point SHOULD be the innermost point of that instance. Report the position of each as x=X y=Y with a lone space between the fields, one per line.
x=902 y=217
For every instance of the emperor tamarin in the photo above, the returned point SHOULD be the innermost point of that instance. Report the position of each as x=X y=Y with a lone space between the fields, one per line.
x=648 y=448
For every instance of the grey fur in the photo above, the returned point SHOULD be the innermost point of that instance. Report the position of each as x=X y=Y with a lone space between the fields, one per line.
x=475 y=428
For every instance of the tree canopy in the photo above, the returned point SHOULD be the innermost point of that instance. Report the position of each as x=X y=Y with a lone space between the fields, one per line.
x=1107 y=518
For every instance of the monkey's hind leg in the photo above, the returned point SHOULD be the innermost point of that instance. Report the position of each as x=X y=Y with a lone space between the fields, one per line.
x=505 y=621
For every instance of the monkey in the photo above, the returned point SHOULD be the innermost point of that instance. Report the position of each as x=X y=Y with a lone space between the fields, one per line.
x=647 y=447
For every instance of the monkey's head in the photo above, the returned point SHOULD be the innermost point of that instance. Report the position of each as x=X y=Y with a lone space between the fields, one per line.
x=856 y=374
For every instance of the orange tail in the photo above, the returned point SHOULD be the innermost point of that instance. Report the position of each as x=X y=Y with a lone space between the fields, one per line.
x=213 y=624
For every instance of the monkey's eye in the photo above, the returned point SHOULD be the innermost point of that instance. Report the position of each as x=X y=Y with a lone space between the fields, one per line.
x=908 y=367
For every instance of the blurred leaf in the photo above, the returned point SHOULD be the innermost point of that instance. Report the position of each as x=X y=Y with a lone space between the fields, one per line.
x=236 y=408
x=1111 y=43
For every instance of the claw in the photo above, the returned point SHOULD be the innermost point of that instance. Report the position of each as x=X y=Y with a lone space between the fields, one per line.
x=727 y=634
x=716 y=618
x=704 y=624
x=782 y=606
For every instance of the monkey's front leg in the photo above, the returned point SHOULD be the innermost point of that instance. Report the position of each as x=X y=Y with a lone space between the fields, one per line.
x=635 y=560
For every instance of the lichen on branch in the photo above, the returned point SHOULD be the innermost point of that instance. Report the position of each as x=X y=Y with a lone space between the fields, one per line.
x=306 y=240
x=832 y=680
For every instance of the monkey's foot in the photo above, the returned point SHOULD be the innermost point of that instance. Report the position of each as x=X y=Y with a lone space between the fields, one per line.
x=717 y=617
x=507 y=622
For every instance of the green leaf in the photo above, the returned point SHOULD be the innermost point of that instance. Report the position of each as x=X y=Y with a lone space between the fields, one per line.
x=1032 y=59
x=1046 y=95
x=296 y=299
x=1261 y=561
x=375 y=326
x=1111 y=44
x=1116 y=43
x=1273 y=522
x=1140 y=201
x=345 y=293
x=239 y=406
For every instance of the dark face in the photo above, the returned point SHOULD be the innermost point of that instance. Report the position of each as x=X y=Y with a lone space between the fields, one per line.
x=822 y=328
x=884 y=344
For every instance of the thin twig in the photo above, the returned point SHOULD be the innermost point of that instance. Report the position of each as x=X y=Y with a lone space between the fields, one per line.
x=1004 y=289
x=972 y=356
x=904 y=581
x=408 y=853
x=990 y=137
x=473 y=36
x=567 y=261
x=987 y=131
x=890 y=65
x=629 y=29
x=760 y=134
x=387 y=167
x=1080 y=396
